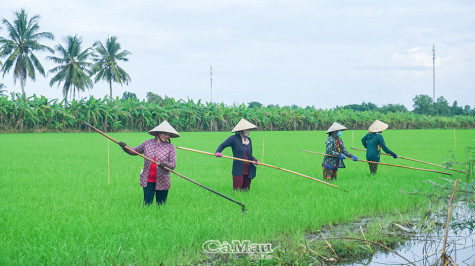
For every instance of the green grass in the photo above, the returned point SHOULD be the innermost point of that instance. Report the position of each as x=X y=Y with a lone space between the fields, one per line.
x=56 y=206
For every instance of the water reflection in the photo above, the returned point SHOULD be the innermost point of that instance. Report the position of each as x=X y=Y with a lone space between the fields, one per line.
x=426 y=246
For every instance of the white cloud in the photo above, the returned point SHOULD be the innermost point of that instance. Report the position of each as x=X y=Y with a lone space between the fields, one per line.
x=415 y=61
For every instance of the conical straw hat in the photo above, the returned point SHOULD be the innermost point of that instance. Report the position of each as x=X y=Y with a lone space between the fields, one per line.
x=378 y=126
x=165 y=127
x=243 y=125
x=335 y=127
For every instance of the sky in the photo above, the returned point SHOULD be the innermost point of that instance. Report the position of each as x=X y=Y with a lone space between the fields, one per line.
x=286 y=52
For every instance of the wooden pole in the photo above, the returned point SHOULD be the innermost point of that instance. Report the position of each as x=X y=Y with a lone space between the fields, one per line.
x=353 y=137
x=108 y=165
x=405 y=158
x=168 y=169
x=455 y=142
x=263 y=150
x=420 y=169
x=263 y=164
x=449 y=214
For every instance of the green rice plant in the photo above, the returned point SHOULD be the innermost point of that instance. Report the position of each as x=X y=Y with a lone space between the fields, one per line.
x=57 y=206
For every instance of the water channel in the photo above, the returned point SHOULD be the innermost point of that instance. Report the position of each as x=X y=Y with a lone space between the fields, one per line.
x=424 y=248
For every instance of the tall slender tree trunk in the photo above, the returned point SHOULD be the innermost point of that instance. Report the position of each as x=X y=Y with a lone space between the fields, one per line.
x=22 y=83
x=110 y=86
x=65 y=100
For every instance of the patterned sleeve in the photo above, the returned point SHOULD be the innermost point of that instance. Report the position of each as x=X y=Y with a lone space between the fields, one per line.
x=172 y=158
x=140 y=149
x=344 y=150
x=331 y=147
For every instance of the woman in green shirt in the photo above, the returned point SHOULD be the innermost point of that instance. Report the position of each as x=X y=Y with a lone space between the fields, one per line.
x=373 y=142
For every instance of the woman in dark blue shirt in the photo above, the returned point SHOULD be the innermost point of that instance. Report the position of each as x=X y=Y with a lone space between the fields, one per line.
x=241 y=144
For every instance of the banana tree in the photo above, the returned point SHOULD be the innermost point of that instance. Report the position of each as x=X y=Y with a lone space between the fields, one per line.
x=25 y=116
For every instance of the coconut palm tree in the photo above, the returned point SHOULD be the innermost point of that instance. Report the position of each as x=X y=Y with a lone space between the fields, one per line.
x=24 y=37
x=73 y=70
x=106 y=63
x=1 y=52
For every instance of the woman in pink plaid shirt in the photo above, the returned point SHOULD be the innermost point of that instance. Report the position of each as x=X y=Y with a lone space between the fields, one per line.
x=154 y=179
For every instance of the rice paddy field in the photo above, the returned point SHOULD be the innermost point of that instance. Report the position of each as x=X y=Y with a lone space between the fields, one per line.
x=58 y=205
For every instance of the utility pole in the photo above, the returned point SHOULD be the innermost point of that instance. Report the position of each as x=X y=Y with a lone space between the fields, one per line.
x=211 y=77
x=433 y=72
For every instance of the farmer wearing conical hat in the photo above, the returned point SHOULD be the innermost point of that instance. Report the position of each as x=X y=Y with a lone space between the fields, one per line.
x=241 y=144
x=337 y=151
x=373 y=142
x=154 y=179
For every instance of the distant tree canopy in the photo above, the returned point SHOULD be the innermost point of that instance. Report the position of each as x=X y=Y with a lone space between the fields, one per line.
x=393 y=108
x=153 y=98
x=254 y=105
x=361 y=107
x=128 y=95
x=390 y=108
x=162 y=101
x=424 y=105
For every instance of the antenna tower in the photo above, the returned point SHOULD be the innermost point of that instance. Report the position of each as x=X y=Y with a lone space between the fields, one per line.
x=211 y=79
x=433 y=73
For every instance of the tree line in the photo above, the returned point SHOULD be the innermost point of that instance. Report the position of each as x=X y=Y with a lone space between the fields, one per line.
x=77 y=66
x=423 y=104
x=19 y=113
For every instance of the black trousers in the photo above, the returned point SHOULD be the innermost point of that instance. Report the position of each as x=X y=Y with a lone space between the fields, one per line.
x=149 y=192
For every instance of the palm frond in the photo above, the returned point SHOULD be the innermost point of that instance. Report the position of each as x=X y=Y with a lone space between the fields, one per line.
x=19 y=48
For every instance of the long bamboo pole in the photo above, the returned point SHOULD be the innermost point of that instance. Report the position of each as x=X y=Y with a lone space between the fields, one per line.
x=405 y=158
x=263 y=164
x=449 y=214
x=263 y=150
x=455 y=141
x=168 y=169
x=402 y=166
x=108 y=165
